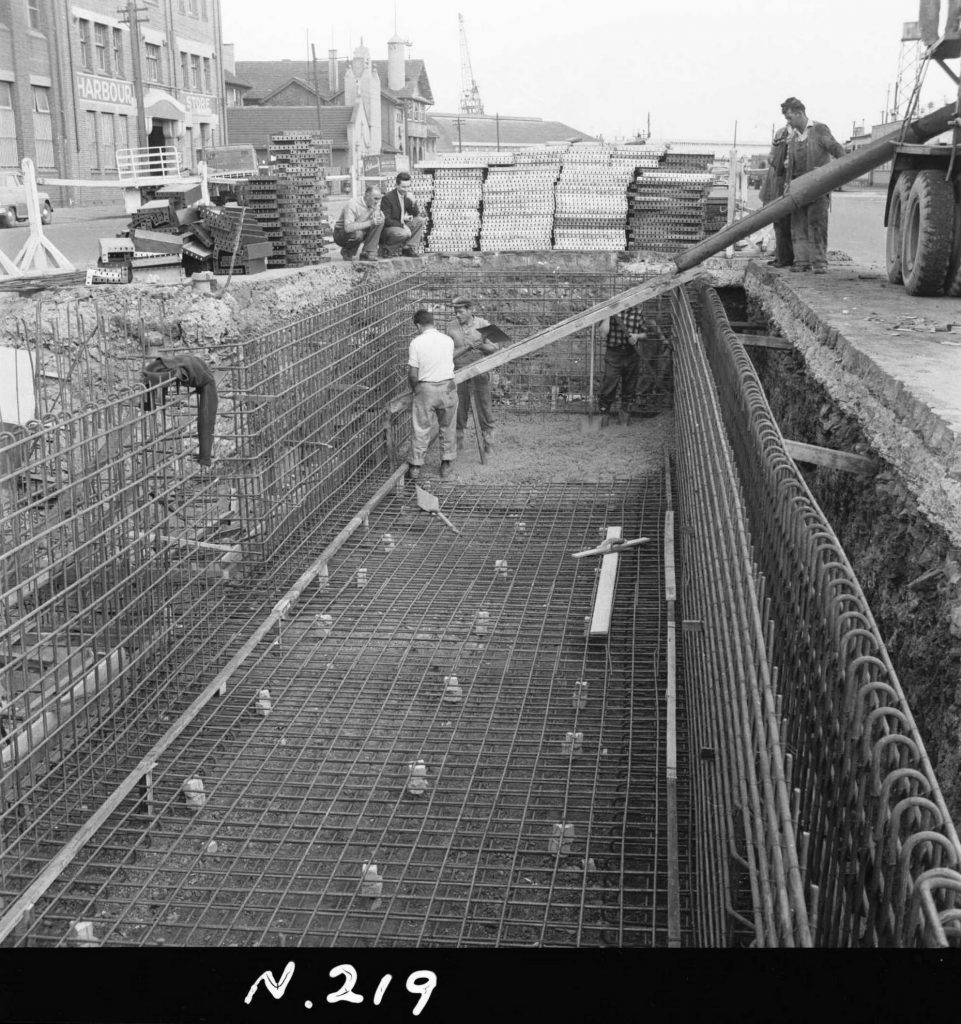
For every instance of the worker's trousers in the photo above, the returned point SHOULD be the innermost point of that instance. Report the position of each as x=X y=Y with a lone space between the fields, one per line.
x=622 y=366
x=434 y=401
x=809 y=233
x=478 y=390
x=783 y=246
x=351 y=241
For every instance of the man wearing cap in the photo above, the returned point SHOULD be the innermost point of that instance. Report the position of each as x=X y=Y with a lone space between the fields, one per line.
x=403 y=224
x=772 y=189
x=810 y=145
x=430 y=374
x=469 y=346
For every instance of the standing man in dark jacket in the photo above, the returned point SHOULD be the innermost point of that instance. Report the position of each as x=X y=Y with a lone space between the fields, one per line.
x=403 y=224
x=810 y=145
x=773 y=188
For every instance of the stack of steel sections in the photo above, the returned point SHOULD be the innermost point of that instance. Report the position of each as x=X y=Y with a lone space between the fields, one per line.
x=667 y=209
x=299 y=161
x=519 y=207
x=456 y=209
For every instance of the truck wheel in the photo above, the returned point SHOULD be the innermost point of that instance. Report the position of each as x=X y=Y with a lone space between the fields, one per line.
x=8 y=217
x=953 y=284
x=895 y=237
x=928 y=234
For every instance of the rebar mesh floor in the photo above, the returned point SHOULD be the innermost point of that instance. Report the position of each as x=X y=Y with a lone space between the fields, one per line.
x=540 y=816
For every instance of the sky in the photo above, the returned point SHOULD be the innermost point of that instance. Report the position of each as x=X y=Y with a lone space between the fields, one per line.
x=702 y=70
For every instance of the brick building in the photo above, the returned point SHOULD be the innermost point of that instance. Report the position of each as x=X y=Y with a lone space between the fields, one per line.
x=68 y=85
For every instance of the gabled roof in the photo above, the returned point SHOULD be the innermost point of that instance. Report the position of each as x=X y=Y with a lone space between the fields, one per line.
x=253 y=126
x=482 y=130
x=267 y=76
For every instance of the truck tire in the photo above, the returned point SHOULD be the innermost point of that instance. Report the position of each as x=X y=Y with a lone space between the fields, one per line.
x=928 y=230
x=952 y=285
x=895 y=236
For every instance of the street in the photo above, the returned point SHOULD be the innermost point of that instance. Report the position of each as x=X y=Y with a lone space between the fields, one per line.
x=75 y=231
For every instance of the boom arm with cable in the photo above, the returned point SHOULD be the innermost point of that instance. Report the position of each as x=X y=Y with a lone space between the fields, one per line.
x=470 y=101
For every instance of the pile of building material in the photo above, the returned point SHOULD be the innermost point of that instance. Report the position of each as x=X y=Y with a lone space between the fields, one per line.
x=261 y=196
x=666 y=209
x=238 y=242
x=299 y=161
x=456 y=209
x=519 y=208
x=591 y=200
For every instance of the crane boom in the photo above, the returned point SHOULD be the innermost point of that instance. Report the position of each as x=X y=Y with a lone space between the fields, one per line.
x=470 y=101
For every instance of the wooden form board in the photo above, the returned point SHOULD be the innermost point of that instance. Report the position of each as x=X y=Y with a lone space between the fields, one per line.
x=764 y=341
x=830 y=458
x=673 y=856
x=604 y=595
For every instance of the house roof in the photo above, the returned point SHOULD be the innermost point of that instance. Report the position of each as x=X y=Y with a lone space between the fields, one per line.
x=482 y=130
x=253 y=126
x=231 y=79
x=267 y=76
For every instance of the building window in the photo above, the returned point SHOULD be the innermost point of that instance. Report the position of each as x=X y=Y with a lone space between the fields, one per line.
x=152 y=53
x=185 y=69
x=91 y=141
x=207 y=86
x=100 y=42
x=84 y=43
x=195 y=72
x=108 y=140
x=203 y=10
x=193 y=7
x=182 y=6
x=123 y=134
x=9 y=150
x=43 y=127
x=33 y=13
x=117 y=52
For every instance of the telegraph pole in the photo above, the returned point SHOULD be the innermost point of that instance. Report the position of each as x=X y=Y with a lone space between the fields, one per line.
x=132 y=18
x=460 y=144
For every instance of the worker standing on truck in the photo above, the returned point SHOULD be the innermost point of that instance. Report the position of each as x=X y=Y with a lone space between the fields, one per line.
x=810 y=145
x=772 y=188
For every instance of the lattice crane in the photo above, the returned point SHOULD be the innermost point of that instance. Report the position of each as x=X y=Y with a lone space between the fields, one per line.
x=470 y=101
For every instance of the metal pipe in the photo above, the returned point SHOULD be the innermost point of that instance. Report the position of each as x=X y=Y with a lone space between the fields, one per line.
x=819 y=182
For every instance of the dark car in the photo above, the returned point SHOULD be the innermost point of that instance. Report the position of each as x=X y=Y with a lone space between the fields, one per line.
x=13 y=200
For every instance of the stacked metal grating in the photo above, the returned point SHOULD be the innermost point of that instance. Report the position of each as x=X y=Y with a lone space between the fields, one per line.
x=519 y=208
x=456 y=209
x=300 y=160
x=262 y=199
x=591 y=200
x=666 y=209
x=238 y=242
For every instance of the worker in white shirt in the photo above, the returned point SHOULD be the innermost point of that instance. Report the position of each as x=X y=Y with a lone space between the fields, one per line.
x=430 y=374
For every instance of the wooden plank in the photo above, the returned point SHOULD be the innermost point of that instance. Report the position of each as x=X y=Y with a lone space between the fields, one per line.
x=673 y=855
x=830 y=458
x=764 y=341
x=604 y=595
x=644 y=292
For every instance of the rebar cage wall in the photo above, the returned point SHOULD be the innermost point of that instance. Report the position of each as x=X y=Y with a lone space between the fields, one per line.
x=877 y=848
x=122 y=560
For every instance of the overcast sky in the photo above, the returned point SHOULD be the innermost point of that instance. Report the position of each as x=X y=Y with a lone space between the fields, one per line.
x=601 y=66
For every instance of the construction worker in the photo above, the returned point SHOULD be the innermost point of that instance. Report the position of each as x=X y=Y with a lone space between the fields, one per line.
x=360 y=224
x=624 y=334
x=469 y=346
x=430 y=374
x=810 y=145
x=771 y=189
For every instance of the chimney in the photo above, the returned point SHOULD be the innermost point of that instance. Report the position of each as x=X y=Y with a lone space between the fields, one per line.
x=227 y=58
x=361 y=59
x=396 y=65
x=332 y=76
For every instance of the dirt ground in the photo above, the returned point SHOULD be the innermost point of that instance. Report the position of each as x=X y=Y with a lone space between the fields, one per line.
x=539 y=448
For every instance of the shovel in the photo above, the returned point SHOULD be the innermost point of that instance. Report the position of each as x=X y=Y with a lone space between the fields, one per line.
x=611 y=546
x=429 y=503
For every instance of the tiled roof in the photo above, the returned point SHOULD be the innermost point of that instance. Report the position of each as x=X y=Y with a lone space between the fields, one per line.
x=231 y=79
x=253 y=126
x=483 y=130
x=267 y=76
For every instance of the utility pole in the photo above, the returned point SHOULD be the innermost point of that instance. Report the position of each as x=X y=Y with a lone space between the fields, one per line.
x=460 y=143
x=132 y=18
x=497 y=121
x=320 y=120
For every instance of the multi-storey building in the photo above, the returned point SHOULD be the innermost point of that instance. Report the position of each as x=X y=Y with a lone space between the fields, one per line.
x=72 y=79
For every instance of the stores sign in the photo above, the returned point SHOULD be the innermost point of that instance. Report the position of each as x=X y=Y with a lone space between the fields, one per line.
x=105 y=90
x=197 y=104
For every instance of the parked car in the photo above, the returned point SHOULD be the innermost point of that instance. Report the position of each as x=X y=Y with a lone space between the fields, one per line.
x=13 y=200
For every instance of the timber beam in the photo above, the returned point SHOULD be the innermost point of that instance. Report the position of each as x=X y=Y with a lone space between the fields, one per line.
x=830 y=458
x=764 y=341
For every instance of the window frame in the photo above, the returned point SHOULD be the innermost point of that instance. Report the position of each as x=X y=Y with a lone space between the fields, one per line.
x=83 y=30
x=150 y=60
x=101 y=45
